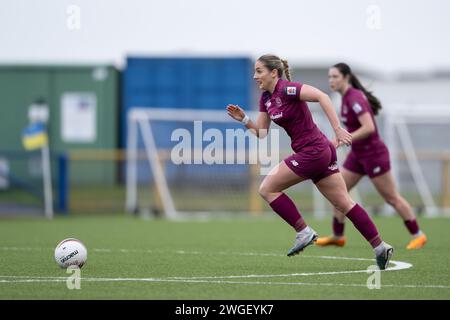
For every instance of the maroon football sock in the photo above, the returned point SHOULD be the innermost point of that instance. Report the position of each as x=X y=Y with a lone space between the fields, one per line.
x=361 y=220
x=286 y=209
x=412 y=226
x=338 y=227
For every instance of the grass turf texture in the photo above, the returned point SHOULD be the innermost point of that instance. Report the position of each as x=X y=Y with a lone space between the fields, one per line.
x=136 y=248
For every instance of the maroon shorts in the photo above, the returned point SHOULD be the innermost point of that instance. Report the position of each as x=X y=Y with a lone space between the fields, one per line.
x=314 y=167
x=375 y=165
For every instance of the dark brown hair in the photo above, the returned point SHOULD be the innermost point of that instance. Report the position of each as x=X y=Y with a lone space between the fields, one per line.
x=344 y=68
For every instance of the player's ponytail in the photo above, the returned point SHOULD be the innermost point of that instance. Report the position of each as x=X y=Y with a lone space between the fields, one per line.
x=272 y=62
x=375 y=104
x=286 y=69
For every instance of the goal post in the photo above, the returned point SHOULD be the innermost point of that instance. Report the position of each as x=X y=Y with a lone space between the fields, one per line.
x=226 y=186
x=137 y=118
x=418 y=135
x=417 y=138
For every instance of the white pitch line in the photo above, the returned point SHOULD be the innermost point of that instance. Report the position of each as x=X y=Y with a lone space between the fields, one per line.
x=224 y=282
x=398 y=265
x=260 y=254
x=33 y=277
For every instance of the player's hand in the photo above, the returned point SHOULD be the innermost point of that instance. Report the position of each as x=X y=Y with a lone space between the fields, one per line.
x=235 y=112
x=343 y=137
x=335 y=143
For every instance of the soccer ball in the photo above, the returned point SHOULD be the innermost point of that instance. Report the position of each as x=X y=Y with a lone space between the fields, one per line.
x=70 y=252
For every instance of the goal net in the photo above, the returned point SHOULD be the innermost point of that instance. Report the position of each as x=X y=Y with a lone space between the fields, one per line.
x=22 y=183
x=177 y=162
x=186 y=161
x=418 y=139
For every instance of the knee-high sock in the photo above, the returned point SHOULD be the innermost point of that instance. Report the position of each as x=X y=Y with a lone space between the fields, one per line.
x=338 y=227
x=412 y=226
x=287 y=210
x=361 y=220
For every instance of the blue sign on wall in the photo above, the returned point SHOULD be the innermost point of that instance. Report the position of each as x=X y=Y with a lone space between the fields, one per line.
x=190 y=83
x=185 y=83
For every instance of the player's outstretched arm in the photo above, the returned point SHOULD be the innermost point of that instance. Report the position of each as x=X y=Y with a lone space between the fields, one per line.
x=311 y=94
x=260 y=128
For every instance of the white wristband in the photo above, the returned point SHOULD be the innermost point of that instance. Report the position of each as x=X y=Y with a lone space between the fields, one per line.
x=245 y=120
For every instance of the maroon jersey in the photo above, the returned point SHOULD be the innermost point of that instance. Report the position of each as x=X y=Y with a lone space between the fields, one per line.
x=287 y=110
x=354 y=104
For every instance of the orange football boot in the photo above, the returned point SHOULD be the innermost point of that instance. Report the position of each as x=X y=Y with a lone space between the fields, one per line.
x=417 y=242
x=331 y=241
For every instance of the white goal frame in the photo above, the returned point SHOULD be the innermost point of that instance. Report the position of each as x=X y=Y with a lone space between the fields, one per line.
x=397 y=117
x=141 y=117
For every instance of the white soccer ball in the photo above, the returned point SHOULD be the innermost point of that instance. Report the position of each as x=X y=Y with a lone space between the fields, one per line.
x=70 y=252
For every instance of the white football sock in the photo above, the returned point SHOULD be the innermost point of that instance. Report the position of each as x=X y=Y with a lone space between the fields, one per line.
x=378 y=249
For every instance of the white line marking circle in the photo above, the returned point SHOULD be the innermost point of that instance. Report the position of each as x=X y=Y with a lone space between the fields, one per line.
x=398 y=265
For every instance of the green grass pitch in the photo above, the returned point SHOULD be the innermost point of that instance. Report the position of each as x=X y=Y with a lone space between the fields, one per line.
x=237 y=258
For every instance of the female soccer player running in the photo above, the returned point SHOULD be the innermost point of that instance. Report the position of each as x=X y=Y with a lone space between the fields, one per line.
x=284 y=102
x=368 y=155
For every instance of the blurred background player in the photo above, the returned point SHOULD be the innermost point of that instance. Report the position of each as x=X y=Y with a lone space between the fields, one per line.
x=368 y=156
x=284 y=102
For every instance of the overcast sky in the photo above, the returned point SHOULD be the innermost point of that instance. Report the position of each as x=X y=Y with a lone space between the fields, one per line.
x=385 y=35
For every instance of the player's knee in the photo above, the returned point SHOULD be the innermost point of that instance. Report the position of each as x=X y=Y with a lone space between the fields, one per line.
x=338 y=214
x=340 y=208
x=267 y=193
x=263 y=191
x=343 y=205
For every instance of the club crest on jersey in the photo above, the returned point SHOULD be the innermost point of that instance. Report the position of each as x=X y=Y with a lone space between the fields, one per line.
x=291 y=91
x=357 y=108
x=268 y=103
x=278 y=101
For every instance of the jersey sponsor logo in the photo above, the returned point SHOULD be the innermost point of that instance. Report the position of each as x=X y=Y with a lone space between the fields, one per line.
x=357 y=108
x=276 y=116
x=377 y=169
x=278 y=101
x=268 y=103
x=333 y=167
x=291 y=91
x=294 y=163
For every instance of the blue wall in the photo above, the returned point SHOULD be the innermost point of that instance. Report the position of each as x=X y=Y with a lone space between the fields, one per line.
x=197 y=83
x=185 y=83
